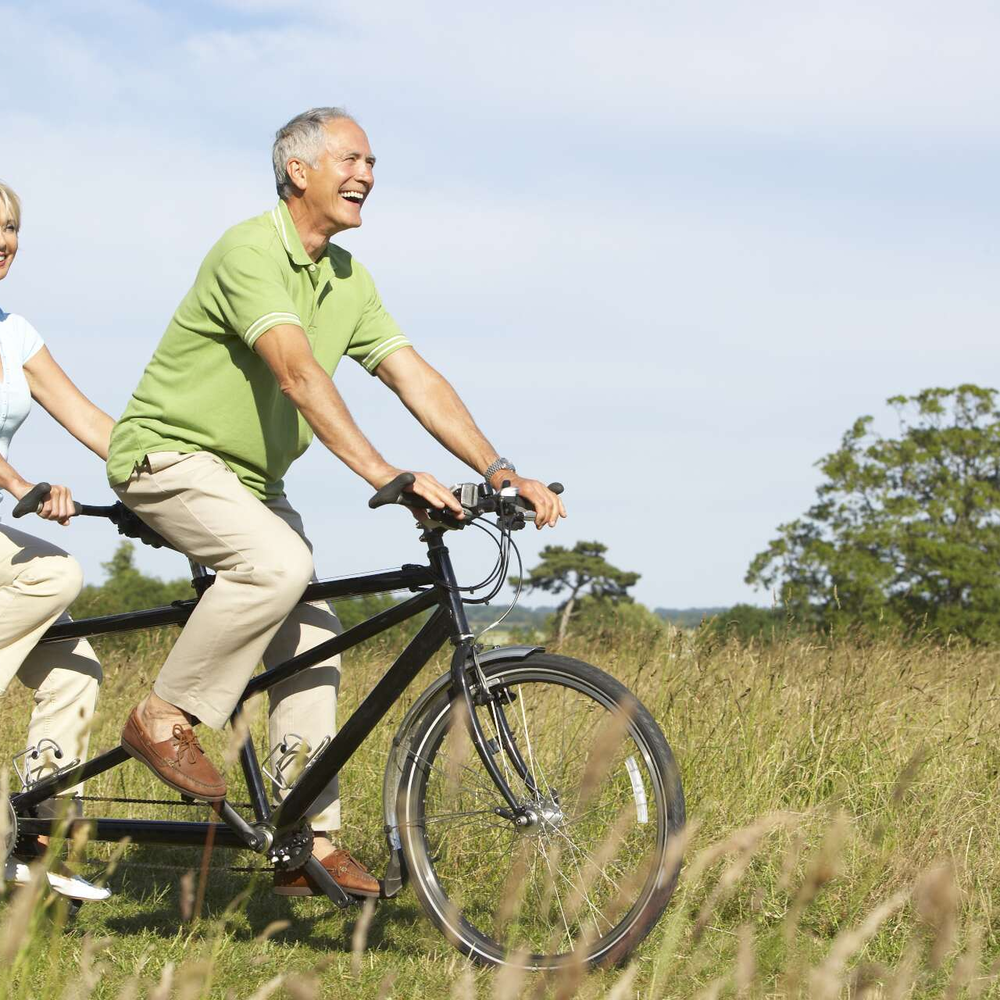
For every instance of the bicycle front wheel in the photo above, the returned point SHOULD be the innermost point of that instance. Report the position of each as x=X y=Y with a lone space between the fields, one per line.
x=584 y=870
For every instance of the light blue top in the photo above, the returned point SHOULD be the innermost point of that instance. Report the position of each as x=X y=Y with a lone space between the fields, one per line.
x=19 y=343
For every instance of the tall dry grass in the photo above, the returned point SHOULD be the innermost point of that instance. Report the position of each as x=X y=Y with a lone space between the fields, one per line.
x=842 y=842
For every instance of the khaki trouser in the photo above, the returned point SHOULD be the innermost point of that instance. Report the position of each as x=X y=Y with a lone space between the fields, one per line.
x=38 y=581
x=263 y=563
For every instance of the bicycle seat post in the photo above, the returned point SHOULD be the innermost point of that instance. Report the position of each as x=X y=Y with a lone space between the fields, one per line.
x=201 y=578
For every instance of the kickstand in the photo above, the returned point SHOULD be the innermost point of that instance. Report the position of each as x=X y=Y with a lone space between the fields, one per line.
x=325 y=881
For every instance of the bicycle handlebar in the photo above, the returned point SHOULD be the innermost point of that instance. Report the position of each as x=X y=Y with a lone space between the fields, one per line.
x=395 y=492
x=475 y=500
x=31 y=502
x=124 y=520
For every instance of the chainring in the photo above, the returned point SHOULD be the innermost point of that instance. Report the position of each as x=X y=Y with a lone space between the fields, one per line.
x=293 y=850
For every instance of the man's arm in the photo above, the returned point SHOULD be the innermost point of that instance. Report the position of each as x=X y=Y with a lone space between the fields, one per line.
x=287 y=353
x=432 y=400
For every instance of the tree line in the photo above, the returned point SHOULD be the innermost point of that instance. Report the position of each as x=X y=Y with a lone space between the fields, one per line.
x=904 y=534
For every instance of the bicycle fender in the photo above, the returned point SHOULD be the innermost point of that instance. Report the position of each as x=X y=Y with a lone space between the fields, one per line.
x=509 y=653
x=401 y=741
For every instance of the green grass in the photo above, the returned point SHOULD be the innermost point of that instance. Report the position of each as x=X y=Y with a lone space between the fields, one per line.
x=844 y=822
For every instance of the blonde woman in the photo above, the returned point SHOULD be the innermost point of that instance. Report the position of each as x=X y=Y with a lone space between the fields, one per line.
x=38 y=581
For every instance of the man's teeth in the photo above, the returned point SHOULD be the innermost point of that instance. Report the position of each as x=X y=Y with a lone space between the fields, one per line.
x=353 y=195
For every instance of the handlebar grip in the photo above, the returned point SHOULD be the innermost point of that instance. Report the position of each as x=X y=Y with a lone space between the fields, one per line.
x=34 y=498
x=392 y=492
x=557 y=488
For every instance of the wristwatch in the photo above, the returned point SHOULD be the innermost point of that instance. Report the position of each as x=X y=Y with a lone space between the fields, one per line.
x=495 y=467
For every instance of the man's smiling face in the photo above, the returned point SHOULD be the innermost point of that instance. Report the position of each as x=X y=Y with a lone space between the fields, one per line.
x=338 y=185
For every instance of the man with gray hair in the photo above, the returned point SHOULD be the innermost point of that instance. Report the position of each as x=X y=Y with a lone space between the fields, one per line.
x=237 y=388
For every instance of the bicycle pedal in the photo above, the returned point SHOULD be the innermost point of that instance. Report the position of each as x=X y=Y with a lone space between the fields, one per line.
x=29 y=776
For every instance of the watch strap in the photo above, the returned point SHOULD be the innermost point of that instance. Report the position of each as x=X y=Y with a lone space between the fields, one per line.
x=495 y=467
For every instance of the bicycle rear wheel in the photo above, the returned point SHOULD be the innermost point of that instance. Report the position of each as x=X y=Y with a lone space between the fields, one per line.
x=588 y=871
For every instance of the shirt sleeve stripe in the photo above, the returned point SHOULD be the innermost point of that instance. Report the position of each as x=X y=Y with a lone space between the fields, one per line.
x=255 y=329
x=376 y=354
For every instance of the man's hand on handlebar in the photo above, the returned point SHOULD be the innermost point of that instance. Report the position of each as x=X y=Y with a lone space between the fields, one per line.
x=57 y=506
x=548 y=507
x=424 y=485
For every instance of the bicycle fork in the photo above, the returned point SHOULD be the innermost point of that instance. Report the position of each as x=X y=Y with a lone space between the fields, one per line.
x=463 y=662
x=464 y=667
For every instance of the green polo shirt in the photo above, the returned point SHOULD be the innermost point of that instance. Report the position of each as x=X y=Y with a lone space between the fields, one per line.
x=206 y=389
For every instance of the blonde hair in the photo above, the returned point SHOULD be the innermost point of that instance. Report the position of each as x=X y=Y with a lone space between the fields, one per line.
x=10 y=205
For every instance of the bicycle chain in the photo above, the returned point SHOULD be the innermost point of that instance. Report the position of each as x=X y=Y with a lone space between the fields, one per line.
x=157 y=802
x=127 y=865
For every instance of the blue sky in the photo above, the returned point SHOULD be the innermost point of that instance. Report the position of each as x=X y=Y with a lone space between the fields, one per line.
x=667 y=252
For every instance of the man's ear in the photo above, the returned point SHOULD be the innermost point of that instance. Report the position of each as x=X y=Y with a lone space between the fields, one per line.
x=297 y=174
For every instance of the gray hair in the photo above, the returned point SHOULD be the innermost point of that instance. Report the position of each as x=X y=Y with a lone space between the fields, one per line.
x=303 y=138
x=10 y=205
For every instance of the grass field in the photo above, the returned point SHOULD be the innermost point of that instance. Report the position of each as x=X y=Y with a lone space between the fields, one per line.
x=844 y=820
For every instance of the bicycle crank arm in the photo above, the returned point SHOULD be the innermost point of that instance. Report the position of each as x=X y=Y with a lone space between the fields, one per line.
x=315 y=870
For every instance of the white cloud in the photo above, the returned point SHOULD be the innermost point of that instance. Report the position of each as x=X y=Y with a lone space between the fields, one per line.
x=826 y=74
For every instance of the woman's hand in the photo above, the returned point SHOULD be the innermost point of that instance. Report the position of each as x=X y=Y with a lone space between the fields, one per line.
x=58 y=507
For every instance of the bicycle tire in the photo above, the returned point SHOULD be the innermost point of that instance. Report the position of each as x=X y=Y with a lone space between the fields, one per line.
x=466 y=880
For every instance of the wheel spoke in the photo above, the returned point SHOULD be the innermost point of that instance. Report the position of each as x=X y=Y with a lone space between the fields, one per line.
x=583 y=893
x=441 y=817
x=562 y=912
x=479 y=781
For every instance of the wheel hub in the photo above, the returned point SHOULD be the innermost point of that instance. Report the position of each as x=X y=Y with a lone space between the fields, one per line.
x=540 y=817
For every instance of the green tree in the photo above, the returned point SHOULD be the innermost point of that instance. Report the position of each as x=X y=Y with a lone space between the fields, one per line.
x=127 y=588
x=745 y=621
x=576 y=571
x=906 y=529
x=606 y=623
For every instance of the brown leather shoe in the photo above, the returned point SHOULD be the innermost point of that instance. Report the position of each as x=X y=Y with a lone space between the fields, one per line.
x=179 y=762
x=349 y=873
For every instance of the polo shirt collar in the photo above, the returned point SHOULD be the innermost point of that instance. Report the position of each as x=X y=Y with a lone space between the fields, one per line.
x=289 y=235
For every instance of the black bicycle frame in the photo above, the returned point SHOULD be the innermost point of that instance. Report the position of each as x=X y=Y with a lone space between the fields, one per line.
x=436 y=586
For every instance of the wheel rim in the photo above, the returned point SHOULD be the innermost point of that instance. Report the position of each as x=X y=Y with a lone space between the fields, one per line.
x=576 y=878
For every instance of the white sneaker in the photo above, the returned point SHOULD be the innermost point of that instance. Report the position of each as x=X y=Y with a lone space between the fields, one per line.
x=72 y=886
x=16 y=871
